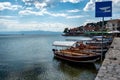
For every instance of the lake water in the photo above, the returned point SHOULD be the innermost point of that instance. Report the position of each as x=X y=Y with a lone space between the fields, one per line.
x=31 y=58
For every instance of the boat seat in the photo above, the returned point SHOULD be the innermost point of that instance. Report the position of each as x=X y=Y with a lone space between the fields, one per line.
x=80 y=53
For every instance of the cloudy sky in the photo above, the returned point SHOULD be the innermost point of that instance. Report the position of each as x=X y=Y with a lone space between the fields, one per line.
x=49 y=15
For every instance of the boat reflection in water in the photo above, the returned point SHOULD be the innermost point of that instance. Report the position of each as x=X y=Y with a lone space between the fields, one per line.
x=76 y=71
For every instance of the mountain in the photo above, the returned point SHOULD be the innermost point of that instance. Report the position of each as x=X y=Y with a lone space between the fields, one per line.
x=27 y=32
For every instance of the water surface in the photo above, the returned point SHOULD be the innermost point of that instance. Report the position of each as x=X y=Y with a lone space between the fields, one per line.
x=31 y=58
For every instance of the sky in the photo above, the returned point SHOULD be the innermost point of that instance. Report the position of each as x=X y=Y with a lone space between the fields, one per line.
x=50 y=15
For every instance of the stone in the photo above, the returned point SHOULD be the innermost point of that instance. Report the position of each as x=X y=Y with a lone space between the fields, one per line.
x=97 y=78
x=110 y=69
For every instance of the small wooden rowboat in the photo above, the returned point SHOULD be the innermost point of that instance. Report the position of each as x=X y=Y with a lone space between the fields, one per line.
x=72 y=53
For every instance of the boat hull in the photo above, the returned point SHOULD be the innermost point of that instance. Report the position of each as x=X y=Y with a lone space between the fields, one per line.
x=80 y=59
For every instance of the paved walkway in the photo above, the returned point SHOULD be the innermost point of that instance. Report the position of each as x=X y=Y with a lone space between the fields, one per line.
x=110 y=69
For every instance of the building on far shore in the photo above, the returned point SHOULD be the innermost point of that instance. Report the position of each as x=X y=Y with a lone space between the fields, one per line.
x=109 y=25
x=113 y=25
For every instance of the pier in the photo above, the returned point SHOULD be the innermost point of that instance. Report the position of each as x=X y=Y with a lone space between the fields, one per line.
x=110 y=69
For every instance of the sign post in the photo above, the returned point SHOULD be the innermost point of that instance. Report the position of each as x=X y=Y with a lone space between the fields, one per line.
x=103 y=9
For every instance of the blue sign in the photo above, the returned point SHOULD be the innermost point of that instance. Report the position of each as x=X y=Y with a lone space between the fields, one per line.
x=103 y=9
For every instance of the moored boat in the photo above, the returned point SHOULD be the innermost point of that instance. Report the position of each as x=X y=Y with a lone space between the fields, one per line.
x=105 y=39
x=72 y=53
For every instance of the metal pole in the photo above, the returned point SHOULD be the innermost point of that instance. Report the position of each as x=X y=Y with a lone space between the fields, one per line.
x=102 y=39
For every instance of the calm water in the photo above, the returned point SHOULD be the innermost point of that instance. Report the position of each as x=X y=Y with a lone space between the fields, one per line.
x=31 y=58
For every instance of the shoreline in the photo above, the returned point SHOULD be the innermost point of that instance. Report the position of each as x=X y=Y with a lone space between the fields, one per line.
x=110 y=69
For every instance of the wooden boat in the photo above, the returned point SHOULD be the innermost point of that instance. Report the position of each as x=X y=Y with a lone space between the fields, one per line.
x=105 y=39
x=95 y=41
x=92 y=48
x=92 y=42
x=73 y=53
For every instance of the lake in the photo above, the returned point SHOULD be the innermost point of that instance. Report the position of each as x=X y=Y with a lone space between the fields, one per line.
x=30 y=57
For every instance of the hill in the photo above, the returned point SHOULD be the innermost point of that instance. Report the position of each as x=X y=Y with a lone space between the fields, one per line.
x=37 y=32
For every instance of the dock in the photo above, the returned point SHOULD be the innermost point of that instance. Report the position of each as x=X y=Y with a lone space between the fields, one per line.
x=110 y=68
